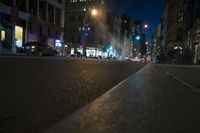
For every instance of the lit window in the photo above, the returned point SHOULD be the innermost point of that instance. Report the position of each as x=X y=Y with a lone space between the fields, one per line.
x=72 y=1
x=19 y=36
x=180 y=17
x=3 y=35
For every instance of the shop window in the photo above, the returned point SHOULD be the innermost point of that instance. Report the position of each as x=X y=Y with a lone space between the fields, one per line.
x=3 y=35
x=19 y=36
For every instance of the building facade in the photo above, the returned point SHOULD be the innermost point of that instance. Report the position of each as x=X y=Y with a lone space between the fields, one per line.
x=193 y=34
x=84 y=32
x=175 y=17
x=23 y=21
x=179 y=31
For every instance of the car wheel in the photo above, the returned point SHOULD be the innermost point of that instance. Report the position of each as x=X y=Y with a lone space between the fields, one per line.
x=40 y=53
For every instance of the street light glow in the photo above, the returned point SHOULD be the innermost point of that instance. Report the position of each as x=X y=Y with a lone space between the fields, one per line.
x=94 y=12
x=146 y=26
x=138 y=37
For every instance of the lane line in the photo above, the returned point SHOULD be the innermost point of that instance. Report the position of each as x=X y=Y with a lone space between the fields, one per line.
x=185 y=83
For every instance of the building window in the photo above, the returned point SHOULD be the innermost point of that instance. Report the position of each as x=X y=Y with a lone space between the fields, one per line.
x=58 y=16
x=33 y=7
x=22 y=5
x=51 y=13
x=3 y=35
x=73 y=1
x=59 y=1
x=42 y=10
x=180 y=17
x=179 y=34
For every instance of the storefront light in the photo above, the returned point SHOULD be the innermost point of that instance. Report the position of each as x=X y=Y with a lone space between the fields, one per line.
x=19 y=36
x=58 y=43
x=3 y=35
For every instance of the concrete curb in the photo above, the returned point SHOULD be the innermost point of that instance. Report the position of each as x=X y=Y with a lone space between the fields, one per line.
x=148 y=101
x=59 y=127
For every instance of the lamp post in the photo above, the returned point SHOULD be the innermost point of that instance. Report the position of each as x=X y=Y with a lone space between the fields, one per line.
x=14 y=16
x=86 y=28
x=146 y=26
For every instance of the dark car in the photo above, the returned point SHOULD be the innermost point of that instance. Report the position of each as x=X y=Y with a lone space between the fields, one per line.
x=37 y=48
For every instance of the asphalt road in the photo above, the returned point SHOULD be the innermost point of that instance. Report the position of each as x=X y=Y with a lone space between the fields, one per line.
x=36 y=93
x=185 y=74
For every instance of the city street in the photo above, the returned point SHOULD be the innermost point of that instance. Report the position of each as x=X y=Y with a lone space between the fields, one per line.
x=99 y=66
x=38 y=92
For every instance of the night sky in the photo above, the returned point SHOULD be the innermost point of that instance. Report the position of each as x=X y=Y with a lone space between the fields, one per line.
x=147 y=11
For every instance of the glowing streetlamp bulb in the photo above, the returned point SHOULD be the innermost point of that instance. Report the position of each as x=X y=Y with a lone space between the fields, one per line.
x=146 y=26
x=94 y=12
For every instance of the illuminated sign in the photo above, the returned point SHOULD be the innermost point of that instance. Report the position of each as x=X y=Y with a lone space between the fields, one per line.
x=58 y=43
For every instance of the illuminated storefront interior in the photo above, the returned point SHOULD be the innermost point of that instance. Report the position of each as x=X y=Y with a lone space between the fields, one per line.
x=19 y=36
x=90 y=51
x=3 y=35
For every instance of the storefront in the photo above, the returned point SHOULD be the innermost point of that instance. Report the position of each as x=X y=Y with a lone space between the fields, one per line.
x=19 y=36
x=5 y=31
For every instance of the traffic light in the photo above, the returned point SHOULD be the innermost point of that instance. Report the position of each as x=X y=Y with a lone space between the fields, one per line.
x=138 y=37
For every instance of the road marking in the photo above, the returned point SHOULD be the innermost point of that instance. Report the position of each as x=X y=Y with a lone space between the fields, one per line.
x=188 y=85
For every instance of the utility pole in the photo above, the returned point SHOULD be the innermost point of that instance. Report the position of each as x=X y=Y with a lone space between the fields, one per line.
x=14 y=16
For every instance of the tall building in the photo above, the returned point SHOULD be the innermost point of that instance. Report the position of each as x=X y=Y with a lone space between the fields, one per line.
x=178 y=30
x=84 y=25
x=193 y=35
x=175 y=22
x=22 y=21
x=113 y=39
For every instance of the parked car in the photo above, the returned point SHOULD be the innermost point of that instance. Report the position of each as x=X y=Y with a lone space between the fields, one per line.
x=37 y=48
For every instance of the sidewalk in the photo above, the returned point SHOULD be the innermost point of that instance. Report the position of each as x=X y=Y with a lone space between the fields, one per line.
x=6 y=52
x=147 y=102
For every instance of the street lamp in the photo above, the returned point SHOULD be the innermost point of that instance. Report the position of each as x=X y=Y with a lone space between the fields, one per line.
x=146 y=26
x=94 y=12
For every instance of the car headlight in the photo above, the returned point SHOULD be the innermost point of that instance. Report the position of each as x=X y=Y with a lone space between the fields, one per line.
x=33 y=47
